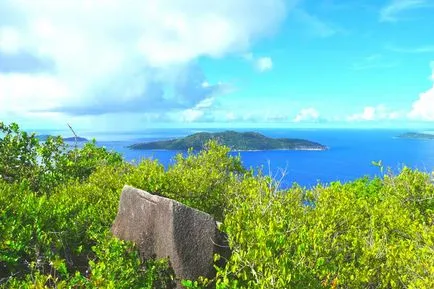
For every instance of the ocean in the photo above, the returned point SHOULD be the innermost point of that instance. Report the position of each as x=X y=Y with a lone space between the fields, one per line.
x=350 y=154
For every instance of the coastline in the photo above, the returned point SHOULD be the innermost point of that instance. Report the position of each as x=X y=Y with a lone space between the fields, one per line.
x=296 y=149
x=246 y=150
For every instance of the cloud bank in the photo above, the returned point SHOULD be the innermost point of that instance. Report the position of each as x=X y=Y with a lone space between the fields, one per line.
x=84 y=57
x=423 y=108
x=307 y=115
x=374 y=113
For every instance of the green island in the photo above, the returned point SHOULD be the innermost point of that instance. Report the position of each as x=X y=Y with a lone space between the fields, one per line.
x=234 y=140
x=44 y=137
x=417 y=135
x=57 y=206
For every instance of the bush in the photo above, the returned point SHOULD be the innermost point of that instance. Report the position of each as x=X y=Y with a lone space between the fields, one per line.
x=363 y=234
x=45 y=165
x=57 y=205
x=204 y=180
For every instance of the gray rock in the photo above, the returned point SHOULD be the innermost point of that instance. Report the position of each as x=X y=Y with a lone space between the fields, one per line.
x=163 y=228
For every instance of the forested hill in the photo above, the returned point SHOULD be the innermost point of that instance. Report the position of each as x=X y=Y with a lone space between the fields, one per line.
x=233 y=140
x=417 y=135
x=44 y=137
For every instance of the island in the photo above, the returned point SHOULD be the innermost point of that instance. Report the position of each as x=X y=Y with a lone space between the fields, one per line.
x=417 y=135
x=78 y=139
x=237 y=141
x=44 y=137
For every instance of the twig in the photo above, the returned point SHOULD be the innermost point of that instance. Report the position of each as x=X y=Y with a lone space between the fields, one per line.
x=75 y=135
x=75 y=142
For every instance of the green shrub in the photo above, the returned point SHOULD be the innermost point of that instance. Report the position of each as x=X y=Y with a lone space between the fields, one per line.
x=204 y=180
x=45 y=165
x=57 y=205
x=116 y=265
x=18 y=154
x=362 y=234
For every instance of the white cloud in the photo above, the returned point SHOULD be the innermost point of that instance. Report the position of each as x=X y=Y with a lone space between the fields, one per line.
x=371 y=113
x=206 y=103
x=197 y=113
x=390 y=12
x=264 y=63
x=423 y=108
x=113 y=56
x=230 y=116
x=239 y=116
x=21 y=92
x=367 y=114
x=10 y=40
x=307 y=115
x=191 y=115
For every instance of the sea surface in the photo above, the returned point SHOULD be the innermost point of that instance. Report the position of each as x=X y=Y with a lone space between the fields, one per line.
x=350 y=154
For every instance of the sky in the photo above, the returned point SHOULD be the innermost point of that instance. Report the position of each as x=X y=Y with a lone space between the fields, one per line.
x=137 y=64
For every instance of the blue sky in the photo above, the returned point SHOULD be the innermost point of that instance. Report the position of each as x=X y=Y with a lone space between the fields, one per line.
x=127 y=65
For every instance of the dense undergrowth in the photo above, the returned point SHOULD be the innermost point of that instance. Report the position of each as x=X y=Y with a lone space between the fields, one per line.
x=57 y=205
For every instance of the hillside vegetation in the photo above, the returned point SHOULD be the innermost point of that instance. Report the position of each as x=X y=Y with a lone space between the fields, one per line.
x=57 y=206
x=44 y=137
x=233 y=140
x=417 y=135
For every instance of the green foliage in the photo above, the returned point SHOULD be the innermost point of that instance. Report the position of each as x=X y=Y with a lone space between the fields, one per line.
x=363 y=234
x=45 y=165
x=116 y=265
x=81 y=162
x=263 y=226
x=55 y=215
x=106 y=272
x=203 y=180
x=18 y=154
x=57 y=205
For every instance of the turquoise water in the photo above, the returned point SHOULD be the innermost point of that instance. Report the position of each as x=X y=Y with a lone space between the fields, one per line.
x=350 y=153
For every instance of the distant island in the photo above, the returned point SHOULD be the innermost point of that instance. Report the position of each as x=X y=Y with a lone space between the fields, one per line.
x=78 y=139
x=235 y=140
x=44 y=137
x=417 y=135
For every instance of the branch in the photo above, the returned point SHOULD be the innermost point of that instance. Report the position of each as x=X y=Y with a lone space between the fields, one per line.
x=75 y=143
